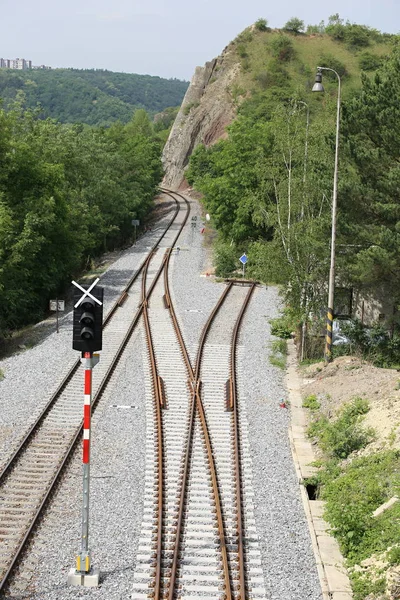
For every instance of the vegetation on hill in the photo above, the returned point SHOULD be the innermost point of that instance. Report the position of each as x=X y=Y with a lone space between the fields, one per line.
x=94 y=97
x=67 y=193
x=268 y=186
x=268 y=189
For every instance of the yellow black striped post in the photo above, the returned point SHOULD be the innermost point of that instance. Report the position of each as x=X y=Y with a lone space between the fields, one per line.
x=328 y=337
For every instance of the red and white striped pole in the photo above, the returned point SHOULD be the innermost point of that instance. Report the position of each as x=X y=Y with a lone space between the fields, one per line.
x=83 y=560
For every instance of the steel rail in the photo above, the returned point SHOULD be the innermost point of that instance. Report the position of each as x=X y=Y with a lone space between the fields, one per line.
x=53 y=399
x=196 y=403
x=67 y=455
x=159 y=404
x=236 y=446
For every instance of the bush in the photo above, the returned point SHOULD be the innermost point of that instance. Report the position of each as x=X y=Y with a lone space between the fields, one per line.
x=352 y=496
x=311 y=402
x=357 y=36
x=241 y=50
x=294 y=25
x=261 y=24
x=369 y=62
x=280 y=346
x=279 y=353
x=330 y=61
x=373 y=344
x=225 y=260
x=314 y=29
x=244 y=37
x=338 y=439
x=282 y=326
x=282 y=48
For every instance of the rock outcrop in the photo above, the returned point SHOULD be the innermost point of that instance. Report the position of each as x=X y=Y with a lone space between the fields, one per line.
x=206 y=110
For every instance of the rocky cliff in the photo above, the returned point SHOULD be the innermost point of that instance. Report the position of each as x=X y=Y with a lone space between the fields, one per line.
x=206 y=110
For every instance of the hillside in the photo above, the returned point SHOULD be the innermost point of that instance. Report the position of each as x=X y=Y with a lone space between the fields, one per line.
x=260 y=68
x=94 y=97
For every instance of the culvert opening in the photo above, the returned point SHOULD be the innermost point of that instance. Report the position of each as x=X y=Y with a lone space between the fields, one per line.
x=312 y=491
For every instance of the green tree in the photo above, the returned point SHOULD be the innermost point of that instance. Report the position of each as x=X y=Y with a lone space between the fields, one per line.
x=370 y=125
x=294 y=25
x=261 y=24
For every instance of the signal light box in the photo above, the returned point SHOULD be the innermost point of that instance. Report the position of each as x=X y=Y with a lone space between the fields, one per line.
x=88 y=319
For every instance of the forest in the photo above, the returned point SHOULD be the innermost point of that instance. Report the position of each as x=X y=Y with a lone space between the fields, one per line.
x=67 y=193
x=94 y=97
x=268 y=186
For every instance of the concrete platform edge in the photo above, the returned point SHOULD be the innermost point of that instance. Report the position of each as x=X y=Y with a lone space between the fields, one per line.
x=332 y=573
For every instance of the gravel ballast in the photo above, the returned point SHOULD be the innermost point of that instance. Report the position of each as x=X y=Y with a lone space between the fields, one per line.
x=119 y=444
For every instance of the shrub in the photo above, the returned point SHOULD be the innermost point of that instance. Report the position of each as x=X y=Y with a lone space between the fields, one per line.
x=294 y=25
x=263 y=79
x=373 y=344
x=369 y=62
x=280 y=346
x=330 y=61
x=311 y=402
x=244 y=37
x=225 y=260
x=338 y=439
x=313 y=29
x=279 y=353
x=245 y=64
x=352 y=496
x=241 y=50
x=357 y=36
x=282 y=48
x=281 y=327
x=261 y=24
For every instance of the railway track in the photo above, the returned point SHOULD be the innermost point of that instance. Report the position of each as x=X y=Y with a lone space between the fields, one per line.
x=198 y=536
x=31 y=474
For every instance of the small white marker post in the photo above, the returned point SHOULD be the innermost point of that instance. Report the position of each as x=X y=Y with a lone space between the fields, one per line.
x=194 y=225
x=57 y=306
x=135 y=223
x=243 y=259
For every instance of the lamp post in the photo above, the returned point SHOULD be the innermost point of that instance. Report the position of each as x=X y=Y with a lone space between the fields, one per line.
x=318 y=87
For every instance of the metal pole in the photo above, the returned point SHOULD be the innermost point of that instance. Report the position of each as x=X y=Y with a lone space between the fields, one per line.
x=331 y=287
x=83 y=559
x=243 y=270
x=135 y=236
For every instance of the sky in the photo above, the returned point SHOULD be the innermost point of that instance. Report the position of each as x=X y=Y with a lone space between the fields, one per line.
x=156 y=37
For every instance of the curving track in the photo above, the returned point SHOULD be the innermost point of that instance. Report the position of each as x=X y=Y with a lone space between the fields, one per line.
x=198 y=535
x=32 y=472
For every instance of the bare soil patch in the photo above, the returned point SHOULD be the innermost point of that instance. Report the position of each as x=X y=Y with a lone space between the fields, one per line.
x=348 y=377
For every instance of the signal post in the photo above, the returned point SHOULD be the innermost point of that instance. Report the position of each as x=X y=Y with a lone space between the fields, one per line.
x=87 y=338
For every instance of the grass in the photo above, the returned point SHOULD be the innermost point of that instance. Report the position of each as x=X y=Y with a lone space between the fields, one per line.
x=278 y=353
x=353 y=487
x=311 y=402
x=301 y=69
x=342 y=436
x=1 y=374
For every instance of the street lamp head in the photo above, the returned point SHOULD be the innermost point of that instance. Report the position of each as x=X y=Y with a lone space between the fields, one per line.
x=318 y=87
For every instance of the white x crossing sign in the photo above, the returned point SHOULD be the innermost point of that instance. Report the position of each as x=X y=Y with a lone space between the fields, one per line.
x=86 y=292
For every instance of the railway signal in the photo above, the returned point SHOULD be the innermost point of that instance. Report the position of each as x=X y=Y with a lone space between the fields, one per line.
x=88 y=318
x=87 y=338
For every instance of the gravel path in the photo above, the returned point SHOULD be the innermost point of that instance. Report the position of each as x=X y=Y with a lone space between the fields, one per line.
x=118 y=447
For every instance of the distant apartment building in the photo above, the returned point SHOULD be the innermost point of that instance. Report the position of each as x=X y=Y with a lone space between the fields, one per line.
x=19 y=63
